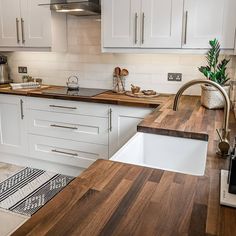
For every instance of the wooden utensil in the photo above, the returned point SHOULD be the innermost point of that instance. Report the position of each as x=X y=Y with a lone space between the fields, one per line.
x=117 y=71
x=124 y=72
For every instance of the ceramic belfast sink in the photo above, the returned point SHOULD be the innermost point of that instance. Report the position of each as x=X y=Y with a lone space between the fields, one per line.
x=182 y=155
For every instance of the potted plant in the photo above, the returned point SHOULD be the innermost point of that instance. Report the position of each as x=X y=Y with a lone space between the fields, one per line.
x=215 y=71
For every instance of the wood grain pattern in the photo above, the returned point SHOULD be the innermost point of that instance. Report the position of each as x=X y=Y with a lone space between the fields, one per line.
x=107 y=97
x=190 y=121
x=112 y=198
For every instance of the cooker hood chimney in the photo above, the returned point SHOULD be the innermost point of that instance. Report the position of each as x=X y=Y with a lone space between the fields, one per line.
x=76 y=7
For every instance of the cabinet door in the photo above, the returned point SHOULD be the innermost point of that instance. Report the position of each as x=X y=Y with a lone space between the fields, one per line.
x=10 y=23
x=124 y=125
x=12 y=125
x=121 y=23
x=209 y=19
x=35 y=24
x=161 y=25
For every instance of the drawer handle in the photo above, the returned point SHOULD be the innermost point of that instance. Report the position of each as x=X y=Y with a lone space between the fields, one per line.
x=63 y=127
x=66 y=153
x=110 y=120
x=63 y=107
x=21 y=109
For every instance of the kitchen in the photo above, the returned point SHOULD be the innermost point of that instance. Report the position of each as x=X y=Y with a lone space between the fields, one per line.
x=111 y=197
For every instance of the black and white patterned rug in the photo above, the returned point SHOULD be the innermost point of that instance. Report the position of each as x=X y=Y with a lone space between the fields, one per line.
x=28 y=190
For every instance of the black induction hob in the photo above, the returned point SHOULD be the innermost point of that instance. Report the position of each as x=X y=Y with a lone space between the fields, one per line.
x=82 y=92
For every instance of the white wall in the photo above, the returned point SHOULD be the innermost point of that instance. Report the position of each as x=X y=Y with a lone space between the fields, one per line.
x=84 y=58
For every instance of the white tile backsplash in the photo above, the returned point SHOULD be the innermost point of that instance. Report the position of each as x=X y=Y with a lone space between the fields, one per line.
x=84 y=58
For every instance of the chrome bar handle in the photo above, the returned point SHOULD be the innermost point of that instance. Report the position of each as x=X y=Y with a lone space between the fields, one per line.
x=136 y=28
x=21 y=109
x=110 y=120
x=23 y=30
x=63 y=107
x=143 y=26
x=17 y=30
x=63 y=127
x=66 y=153
x=186 y=27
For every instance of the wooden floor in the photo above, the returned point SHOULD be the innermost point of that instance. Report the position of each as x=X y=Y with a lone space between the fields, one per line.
x=119 y=199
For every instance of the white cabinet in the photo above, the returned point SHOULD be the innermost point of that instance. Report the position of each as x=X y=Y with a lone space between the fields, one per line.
x=9 y=23
x=161 y=23
x=35 y=24
x=209 y=19
x=142 y=23
x=124 y=121
x=120 y=23
x=66 y=152
x=13 y=138
x=67 y=132
x=63 y=135
x=169 y=24
x=84 y=128
x=24 y=24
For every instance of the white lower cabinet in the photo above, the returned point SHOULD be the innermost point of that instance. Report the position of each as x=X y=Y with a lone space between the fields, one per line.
x=63 y=134
x=67 y=132
x=13 y=135
x=82 y=128
x=66 y=152
x=124 y=121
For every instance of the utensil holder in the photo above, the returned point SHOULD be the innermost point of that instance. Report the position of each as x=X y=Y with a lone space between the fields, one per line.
x=119 y=84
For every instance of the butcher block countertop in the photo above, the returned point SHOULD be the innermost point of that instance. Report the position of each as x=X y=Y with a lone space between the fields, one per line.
x=108 y=97
x=111 y=198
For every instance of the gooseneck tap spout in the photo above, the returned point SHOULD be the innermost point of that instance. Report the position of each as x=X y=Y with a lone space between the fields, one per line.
x=224 y=142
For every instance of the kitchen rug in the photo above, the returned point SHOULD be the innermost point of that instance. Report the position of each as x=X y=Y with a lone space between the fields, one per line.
x=29 y=189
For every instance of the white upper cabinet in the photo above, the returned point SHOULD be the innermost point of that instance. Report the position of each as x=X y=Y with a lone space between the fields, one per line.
x=161 y=23
x=167 y=24
x=10 y=23
x=209 y=19
x=120 y=23
x=24 y=24
x=35 y=24
x=142 y=23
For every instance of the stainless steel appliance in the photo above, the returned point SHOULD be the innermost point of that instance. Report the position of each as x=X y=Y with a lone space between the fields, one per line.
x=4 y=71
x=76 y=7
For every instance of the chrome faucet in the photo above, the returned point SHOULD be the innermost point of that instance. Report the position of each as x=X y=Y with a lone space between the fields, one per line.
x=223 y=145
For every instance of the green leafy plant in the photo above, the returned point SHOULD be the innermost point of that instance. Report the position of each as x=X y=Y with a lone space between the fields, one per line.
x=215 y=70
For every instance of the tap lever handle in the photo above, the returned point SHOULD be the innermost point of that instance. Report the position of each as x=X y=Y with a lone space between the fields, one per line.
x=218 y=132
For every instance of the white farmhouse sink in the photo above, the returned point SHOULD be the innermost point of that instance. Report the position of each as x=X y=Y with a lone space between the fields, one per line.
x=182 y=155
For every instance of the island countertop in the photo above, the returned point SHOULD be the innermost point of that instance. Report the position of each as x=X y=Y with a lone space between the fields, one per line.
x=112 y=198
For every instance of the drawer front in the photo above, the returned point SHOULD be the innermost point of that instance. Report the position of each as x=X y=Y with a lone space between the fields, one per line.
x=70 y=107
x=68 y=126
x=66 y=152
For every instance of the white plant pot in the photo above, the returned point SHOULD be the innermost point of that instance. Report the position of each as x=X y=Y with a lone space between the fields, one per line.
x=212 y=98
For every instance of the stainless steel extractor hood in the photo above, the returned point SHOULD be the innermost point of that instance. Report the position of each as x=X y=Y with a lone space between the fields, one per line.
x=76 y=7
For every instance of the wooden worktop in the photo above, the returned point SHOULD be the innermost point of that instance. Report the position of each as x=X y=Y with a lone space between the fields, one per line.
x=112 y=198
x=190 y=121
x=108 y=97
x=162 y=121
